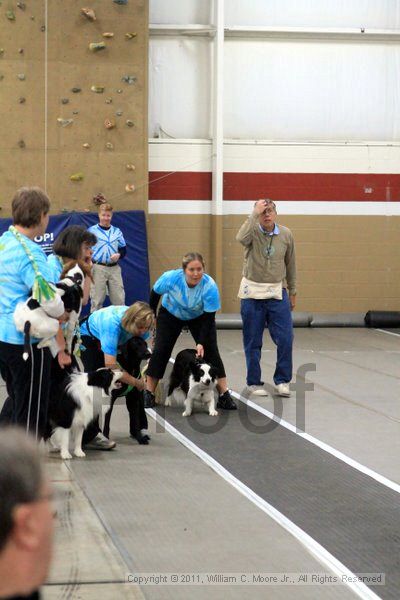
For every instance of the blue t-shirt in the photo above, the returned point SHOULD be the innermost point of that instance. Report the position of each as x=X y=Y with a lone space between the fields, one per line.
x=16 y=280
x=108 y=242
x=105 y=325
x=186 y=302
x=55 y=268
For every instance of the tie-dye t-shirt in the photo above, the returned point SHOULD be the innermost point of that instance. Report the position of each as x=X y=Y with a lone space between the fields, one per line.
x=186 y=302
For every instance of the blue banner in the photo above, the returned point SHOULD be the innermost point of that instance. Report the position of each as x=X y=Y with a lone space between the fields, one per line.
x=135 y=265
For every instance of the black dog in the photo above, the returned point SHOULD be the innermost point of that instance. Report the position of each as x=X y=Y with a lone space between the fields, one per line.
x=132 y=354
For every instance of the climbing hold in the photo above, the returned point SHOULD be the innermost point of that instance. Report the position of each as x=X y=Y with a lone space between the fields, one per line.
x=1 y=76
x=88 y=13
x=21 y=144
x=109 y=124
x=118 y=113
x=64 y=122
x=99 y=199
x=122 y=2
x=1 y=51
x=108 y=100
x=96 y=46
x=77 y=176
x=21 y=76
x=22 y=100
x=86 y=145
x=43 y=28
x=76 y=90
x=75 y=112
x=130 y=35
x=20 y=51
x=129 y=79
x=97 y=89
x=65 y=209
x=108 y=34
x=21 y=5
x=64 y=100
x=129 y=122
x=110 y=146
x=129 y=187
x=130 y=167
x=10 y=15
x=119 y=91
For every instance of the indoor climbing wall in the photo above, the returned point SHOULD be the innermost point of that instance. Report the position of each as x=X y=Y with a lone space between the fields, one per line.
x=73 y=101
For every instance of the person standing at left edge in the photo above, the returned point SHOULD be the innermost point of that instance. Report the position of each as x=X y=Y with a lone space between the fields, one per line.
x=24 y=270
x=106 y=272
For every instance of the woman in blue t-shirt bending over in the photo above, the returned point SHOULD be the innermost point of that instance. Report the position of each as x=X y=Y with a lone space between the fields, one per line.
x=190 y=298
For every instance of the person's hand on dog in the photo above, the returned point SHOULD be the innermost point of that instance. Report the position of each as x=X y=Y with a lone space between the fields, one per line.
x=64 y=359
x=140 y=384
x=64 y=317
x=200 y=351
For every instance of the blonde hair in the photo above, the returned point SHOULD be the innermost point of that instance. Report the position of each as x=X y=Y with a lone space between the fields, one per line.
x=105 y=207
x=139 y=314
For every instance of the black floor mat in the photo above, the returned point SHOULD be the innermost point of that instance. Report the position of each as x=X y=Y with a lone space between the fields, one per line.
x=351 y=515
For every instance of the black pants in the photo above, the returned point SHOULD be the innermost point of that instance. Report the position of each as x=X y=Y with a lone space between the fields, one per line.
x=93 y=359
x=28 y=386
x=137 y=413
x=168 y=331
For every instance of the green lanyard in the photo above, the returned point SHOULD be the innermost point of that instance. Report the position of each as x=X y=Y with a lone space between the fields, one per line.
x=42 y=290
x=269 y=250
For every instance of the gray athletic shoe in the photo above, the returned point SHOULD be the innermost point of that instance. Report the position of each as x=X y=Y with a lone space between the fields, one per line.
x=282 y=389
x=254 y=390
x=100 y=442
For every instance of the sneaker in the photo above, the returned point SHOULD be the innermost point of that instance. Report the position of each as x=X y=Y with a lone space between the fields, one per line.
x=226 y=402
x=100 y=442
x=255 y=390
x=282 y=389
x=149 y=399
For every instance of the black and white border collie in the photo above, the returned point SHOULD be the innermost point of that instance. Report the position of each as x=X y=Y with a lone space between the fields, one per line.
x=76 y=402
x=192 y=380
x=41 y=321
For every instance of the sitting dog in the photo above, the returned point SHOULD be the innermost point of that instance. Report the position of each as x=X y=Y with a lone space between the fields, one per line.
x=41 y=321
x=132 y=353
x=192 y=380
x=76 y=401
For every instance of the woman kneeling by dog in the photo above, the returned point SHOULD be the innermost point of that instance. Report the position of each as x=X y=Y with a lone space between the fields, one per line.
x=103 y=334
x=190 y=299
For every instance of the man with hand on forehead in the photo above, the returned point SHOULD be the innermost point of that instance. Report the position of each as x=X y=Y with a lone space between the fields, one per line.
x=267 y=294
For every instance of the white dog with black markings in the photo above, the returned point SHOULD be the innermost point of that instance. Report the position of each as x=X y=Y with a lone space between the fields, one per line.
x=192 y=380
x=75 y=402
x=41 y=321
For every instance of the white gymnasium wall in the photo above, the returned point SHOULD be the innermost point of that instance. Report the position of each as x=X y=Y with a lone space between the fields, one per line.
x=377 y=14
x=179 y=88
x=180 y=11
x=281 y=89
x=306 y=91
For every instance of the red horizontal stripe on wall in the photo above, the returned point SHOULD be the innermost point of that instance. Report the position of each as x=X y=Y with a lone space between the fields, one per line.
x=180 y=186
x=326 y=187
x=312 y=186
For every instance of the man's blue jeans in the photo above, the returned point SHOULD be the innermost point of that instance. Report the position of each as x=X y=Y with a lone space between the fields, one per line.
x=276 y=315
